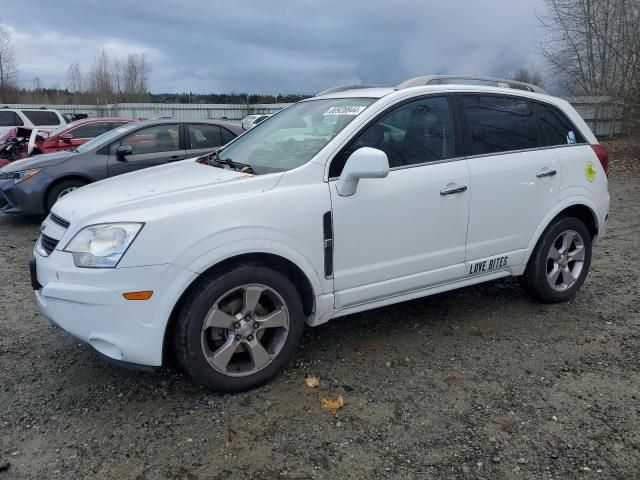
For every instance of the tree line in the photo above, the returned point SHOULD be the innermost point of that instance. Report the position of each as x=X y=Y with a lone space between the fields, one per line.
x=65 y=96
x=109 y=80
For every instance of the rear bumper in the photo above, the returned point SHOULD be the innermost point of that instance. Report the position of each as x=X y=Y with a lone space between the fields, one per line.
x=88 y=304
x=603 y=217
x=602 y=230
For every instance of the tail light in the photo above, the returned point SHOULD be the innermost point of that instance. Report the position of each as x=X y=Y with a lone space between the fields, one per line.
x=603 y=157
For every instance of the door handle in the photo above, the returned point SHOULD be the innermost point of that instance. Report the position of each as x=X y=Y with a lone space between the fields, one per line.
x=546 y=173
x=453 y=190
x=174 y=158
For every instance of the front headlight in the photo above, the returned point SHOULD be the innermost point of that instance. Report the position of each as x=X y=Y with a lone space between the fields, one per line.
x=102 y=246
x=20 y=176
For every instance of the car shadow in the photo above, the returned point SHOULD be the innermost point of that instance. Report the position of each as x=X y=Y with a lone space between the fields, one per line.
x=443 y=315
x=20 y=220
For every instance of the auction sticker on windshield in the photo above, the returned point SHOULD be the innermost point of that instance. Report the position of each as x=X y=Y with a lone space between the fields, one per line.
x=345 y=110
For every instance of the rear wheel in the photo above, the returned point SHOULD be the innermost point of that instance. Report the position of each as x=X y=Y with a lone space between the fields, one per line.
x=61 y=189
x=560 y=262
x=239 y=328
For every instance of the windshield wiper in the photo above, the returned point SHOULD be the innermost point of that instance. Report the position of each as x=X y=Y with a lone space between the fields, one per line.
x=214 y=160
x=240 y=167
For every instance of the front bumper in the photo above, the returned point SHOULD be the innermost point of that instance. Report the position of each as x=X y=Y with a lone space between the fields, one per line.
x=88 y=303
x=25 y=198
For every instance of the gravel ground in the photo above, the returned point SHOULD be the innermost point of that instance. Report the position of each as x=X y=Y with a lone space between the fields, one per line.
x=477 y=383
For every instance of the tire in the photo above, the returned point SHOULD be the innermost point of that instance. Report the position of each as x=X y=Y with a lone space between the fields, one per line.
x=60 y=189
x=220 y=347
x=560 y=261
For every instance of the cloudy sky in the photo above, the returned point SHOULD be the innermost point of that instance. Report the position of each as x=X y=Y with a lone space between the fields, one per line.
x=275 y=46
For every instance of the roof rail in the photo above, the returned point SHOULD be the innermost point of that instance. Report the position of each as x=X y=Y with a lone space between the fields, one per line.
x=469 y=80
x=342 y=88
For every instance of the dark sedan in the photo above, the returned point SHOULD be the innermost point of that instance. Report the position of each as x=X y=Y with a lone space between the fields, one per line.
x=32 y=185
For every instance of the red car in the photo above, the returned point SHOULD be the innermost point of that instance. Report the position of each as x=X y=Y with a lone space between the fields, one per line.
x=71 y=135
x=13 y=144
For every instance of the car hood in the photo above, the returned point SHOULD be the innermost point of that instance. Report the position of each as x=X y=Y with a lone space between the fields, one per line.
x=158 y=192
x=39 y=161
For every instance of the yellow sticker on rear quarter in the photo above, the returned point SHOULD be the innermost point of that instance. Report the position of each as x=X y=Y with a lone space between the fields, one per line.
x=589 y=171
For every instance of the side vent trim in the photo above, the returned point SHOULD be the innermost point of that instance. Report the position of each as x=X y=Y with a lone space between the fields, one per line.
x=327 y=225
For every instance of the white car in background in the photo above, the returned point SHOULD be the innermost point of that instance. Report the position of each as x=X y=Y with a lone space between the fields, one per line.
x=34 y=118
x=351 y=200
x=251 y=121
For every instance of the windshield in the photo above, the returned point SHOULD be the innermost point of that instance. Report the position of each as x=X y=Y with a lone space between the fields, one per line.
x=293 y=136
x=105 y=138
x=61 y=128
x=6 y=135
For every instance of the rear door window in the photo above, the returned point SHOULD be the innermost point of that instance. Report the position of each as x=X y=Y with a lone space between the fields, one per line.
x=556 y=127
x=499 y=124
x=203 y=136
x=42 y=117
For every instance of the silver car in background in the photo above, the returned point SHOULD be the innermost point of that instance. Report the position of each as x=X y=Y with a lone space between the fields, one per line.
x=31 y=186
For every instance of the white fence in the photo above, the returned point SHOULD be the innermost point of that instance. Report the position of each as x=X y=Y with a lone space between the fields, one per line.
x=190 y=111
x=603 y=115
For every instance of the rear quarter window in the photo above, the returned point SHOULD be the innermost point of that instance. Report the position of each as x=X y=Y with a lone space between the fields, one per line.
x=556 y=128
x=91 y=130
x=42 y=117
x=500 y=124
x=227 y=136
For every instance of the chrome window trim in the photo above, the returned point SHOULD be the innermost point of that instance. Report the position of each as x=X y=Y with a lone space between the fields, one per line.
x=426 y=164
x=415 y=165
x=524 y=150
x=472 y=157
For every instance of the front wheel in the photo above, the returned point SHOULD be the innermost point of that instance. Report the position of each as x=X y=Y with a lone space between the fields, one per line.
x=560 y=262
x=239 y=328
x=61 y=189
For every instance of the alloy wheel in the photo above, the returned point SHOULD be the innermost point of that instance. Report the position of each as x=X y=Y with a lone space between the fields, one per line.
x=565 y=260
x=245 y=330
x=66 y=191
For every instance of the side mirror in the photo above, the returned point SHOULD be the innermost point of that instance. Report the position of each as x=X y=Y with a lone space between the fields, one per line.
x=67 y=137
x=123 y=151
x=366 y=162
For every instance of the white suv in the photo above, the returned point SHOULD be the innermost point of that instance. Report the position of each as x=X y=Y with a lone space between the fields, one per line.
x=348 y=201
x=40 y=118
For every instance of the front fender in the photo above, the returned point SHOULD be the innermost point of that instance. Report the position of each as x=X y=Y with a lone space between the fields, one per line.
x=224 y=251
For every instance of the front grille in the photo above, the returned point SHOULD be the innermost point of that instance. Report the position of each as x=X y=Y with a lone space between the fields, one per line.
x=59 y=221
x=48 y=244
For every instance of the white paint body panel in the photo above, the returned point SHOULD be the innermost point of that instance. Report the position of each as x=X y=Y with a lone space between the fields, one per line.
x=28 y=123
x=508 y=201
x=387 y=232
x=395 y=239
